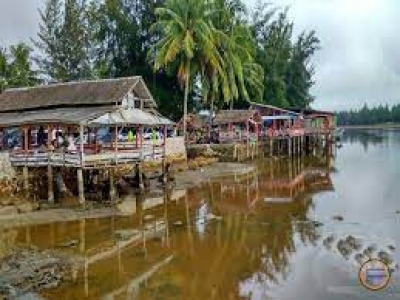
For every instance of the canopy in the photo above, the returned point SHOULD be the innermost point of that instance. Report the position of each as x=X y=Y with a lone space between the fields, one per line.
x=130 y=116
x=280 y=117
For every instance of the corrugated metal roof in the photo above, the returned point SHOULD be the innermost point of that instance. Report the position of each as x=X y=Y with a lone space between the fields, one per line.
x=98 y=92
x=59 y=115
x=93 y=116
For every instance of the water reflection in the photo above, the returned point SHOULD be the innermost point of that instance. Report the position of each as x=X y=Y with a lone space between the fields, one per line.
x=199 y=244
x=230 y=238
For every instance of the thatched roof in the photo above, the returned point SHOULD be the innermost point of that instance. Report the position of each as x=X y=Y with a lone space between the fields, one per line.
x=236 y=116
x=73 y=94
x=193 y=121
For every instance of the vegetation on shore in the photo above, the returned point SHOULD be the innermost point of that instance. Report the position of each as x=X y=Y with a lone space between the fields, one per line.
x=212 y=53
x=381 y=116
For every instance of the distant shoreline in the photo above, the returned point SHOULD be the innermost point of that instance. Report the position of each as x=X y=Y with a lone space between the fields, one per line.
x=376 y=126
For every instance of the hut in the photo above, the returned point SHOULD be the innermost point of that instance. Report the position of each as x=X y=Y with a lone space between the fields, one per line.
x=82 y=125
x=317 y=121
x=237 y=125
x=279 y=122
x=197 y=128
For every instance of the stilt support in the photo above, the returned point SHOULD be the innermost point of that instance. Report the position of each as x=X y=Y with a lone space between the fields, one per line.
x=25 y=174
x=81 y=186
x=50 y=184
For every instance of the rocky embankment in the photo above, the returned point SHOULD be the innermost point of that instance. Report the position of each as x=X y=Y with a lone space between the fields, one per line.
x=30 y=270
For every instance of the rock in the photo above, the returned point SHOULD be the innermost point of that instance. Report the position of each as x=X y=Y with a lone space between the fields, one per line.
x=353 y=242
x=385 y=257
x=27 y=206
x=361 y=258
x=338 y=218
x=8 y=211
x=328 y=241
x=317 y=224
x=370 y=250
x=344 y=248
x=391 y=248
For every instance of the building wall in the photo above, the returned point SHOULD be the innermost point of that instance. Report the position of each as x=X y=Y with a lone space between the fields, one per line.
x=6 y=170
x=175 y=147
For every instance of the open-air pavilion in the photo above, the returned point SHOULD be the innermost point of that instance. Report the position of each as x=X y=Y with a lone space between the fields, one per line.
x=84 y=125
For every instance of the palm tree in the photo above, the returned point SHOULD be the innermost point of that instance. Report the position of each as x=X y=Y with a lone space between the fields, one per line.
x=243 y=73
x=186 y=41
x=238 y=49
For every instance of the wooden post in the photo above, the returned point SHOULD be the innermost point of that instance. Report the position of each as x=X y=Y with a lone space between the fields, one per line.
x=25 y=174
x=81 y=186
x=289 y=146
x=137 y=136
x=116 y=144
x=50 y=183
x=112 y=185
x=82 y=147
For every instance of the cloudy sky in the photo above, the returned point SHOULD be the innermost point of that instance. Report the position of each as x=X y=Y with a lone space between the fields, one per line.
x=360 y=57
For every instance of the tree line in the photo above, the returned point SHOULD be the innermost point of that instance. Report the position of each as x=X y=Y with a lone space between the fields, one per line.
x=370 y=116
x=211 y=53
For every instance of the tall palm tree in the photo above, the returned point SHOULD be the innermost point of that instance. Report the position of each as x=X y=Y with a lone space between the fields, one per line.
x=244 y=73
x=238 y=48
x=186 y=36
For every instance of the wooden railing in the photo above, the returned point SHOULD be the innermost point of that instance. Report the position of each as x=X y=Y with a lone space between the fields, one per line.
x=90 y=158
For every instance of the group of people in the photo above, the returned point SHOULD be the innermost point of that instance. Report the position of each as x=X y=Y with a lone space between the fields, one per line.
x=58 y=140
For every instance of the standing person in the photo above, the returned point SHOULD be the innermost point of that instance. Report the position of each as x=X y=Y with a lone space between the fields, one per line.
x=131 y=136
x=40 y=137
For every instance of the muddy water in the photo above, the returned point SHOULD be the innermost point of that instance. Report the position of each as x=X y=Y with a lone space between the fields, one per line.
x=272 y=234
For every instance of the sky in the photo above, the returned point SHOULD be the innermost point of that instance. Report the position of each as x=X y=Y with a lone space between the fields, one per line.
x=359 y=61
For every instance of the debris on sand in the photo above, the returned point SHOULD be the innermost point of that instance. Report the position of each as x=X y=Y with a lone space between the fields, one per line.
x=31 y=270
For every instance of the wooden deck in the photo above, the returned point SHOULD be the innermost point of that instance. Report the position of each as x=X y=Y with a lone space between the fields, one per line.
x=88 y=159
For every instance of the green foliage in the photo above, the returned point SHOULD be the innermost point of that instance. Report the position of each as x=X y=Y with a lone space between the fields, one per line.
x=286 y=64
x=370 y=116
x=64 y=40
x=16 y=67
x=187 y=43
x=215 y=49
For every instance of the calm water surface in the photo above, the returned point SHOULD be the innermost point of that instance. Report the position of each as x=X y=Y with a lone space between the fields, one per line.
x=261 y=236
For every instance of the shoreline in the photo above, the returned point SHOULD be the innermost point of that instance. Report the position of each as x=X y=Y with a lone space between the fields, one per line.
x=376 y=126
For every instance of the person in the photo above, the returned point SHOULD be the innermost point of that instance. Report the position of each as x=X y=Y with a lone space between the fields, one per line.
x=71 y=144
x=60 y=139
x=131 y=136
x=40 y=137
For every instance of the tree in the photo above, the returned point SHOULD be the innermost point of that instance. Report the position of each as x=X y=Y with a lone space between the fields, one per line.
x=238 y=49
x=20 y=69
x=299 y=72
x=64 y=41
x=3 y=70
x=48 y=38
x=185 y=37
